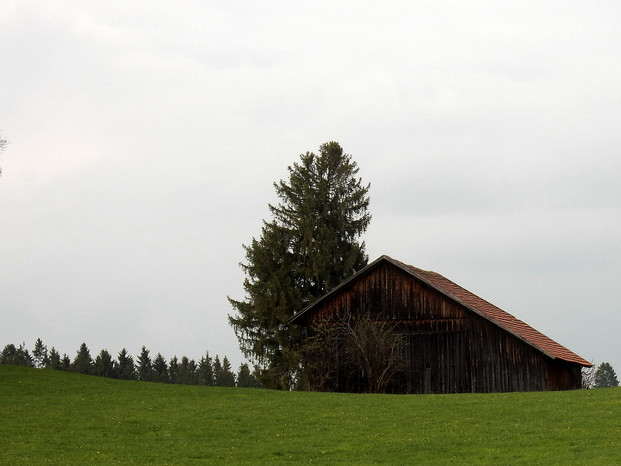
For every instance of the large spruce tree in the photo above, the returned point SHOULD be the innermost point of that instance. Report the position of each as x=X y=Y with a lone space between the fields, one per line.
x=309 y=246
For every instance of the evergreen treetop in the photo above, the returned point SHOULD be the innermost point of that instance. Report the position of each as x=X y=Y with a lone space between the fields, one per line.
x=104 y=365
x=125 y=367
x=145 y=366
x=605 y=376
x=160 y=369
x=39 y=354
x=83 y=362
x=309 y=246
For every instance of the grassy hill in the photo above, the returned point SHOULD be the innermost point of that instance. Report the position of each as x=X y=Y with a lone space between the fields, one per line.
x=62 y=418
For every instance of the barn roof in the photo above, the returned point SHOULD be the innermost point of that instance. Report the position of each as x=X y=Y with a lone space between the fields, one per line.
x=479 y=306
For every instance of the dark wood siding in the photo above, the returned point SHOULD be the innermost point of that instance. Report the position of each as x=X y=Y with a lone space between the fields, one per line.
x=448 y=347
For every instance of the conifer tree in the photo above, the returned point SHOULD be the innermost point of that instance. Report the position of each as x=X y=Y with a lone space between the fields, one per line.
x=309 y=246
x=82 y=362
x=104 y=365
x=187 y=371
x=173 y=368
x=605 y=376
x=125 y=367
x=145 y=366
x=217 y=370
x=205 y=370
x=16 y=356
x=39 y=354
x=53 y=360
x=65 y=362
x=160 y=369
x=223 y=374
x=245 y=378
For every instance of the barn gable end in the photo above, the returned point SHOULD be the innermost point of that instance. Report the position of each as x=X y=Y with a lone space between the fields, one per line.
x=454 y=340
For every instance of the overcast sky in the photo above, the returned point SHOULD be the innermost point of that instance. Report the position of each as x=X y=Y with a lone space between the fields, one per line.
x=146 y=135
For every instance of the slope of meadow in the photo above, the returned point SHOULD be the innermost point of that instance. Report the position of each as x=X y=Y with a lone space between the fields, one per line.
x=62 y=418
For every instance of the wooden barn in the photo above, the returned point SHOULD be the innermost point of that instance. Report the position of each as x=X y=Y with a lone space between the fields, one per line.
x=452 y=340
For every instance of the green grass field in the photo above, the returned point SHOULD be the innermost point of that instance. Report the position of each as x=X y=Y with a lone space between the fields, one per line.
x=61 y=418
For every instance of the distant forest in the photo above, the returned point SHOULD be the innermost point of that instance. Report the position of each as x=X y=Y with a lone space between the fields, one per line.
x=208 y=371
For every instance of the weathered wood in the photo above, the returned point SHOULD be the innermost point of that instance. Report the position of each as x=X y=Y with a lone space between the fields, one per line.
x=448 y=347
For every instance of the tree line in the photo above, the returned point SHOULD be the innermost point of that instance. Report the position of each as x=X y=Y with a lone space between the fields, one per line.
x=207 y=371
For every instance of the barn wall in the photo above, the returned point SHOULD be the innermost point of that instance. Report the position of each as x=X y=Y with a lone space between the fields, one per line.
x=563 y=376
x=448 y=348
x=501 y=362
